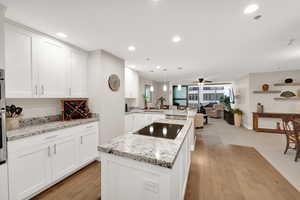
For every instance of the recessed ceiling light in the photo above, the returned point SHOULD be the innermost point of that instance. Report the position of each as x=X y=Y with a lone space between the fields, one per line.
x=131 y=48
x=62 y=35
x=158 y=67
x=176 y=39
x=251 y=9
x=132 y=66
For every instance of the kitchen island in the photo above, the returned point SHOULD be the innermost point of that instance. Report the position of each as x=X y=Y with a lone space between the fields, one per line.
x=135 y=167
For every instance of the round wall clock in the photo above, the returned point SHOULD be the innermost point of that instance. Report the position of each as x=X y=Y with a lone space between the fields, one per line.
x=114 y=82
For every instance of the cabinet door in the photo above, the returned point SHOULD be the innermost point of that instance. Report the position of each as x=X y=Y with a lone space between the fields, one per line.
x=64 y=157
x=78 y=85
x=135 y=85
x=29 y=171
x=18 y=63
x=128 y=83
x=129 y=123
x=52 y=68
x=3 y=182
x=88 y=147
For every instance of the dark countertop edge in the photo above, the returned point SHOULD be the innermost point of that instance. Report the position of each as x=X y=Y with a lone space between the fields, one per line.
x=46 y=130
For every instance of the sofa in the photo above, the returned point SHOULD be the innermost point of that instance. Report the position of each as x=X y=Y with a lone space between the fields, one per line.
x=216 y=111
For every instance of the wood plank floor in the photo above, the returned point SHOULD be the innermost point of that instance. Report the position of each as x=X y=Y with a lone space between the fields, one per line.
x=218 y=172
x=83 y=185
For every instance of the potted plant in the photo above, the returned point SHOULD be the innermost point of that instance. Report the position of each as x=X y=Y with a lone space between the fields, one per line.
x=228 y=112
x=145 y=102
x=237 y=117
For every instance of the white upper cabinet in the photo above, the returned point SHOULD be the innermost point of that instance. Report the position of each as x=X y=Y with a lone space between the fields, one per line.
x=78 y=74
x=41 y=67
x=52 y=68
x=131 y=83
x=18 y=62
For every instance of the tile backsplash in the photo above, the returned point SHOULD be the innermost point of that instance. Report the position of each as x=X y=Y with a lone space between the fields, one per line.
x=37 y=107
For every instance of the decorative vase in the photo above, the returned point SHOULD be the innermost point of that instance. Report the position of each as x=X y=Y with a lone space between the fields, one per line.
x=265 y=87
x=12 y=123
x=260 y=108
x=237 y=120
x=289 y=80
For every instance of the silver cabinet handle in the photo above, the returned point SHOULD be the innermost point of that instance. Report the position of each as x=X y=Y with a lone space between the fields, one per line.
x=91 y=126
x=49 y=151
x=55 y=149
x=36 y=90
x=81 y=140
x=43 y=90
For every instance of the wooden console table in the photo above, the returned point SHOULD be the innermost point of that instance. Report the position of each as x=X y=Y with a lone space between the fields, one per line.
x=256 y=116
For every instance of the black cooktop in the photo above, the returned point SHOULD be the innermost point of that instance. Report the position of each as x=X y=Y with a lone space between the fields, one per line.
x=162 y=130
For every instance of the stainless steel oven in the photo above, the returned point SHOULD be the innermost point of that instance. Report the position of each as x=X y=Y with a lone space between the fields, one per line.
x=3 y=140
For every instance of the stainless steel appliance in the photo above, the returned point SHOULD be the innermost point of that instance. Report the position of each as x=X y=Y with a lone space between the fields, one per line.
x=3 y=140
x=161 y=130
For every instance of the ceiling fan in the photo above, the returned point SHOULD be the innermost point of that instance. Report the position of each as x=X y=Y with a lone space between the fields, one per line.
x=202 y=81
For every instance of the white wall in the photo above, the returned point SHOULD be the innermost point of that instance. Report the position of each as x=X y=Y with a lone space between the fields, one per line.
x=109 y=104
x=241 y=89
x=254 y=82
x=157 y=93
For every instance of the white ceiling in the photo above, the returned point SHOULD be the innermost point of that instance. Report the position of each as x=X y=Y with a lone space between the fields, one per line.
x=218 y=41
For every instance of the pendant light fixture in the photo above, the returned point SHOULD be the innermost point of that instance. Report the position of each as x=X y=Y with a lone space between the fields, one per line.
x=179 y=87
x=165 y=87
x=151 y=88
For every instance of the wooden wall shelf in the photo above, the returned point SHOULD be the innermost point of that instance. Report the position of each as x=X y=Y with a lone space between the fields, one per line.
x=287 y=84
x=287 y=99
x=267 y=92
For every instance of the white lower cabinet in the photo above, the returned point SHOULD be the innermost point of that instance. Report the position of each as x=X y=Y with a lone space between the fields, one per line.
x=129 y=123
x=3 y=182
x=87 y=141
x=29 y=170
x=35 y=163
x=64 y=157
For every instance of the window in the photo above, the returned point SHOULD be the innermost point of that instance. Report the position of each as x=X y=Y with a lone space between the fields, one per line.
x=148 y=93
x=180 y=97
x=212 y=96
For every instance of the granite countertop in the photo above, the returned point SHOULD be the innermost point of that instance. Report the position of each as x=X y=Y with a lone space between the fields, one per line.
x=189 y=113
x=45 y=127
x=145 y=112
x=156 y=151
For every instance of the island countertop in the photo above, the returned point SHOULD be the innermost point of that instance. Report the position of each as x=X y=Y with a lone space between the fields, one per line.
x=157 y=151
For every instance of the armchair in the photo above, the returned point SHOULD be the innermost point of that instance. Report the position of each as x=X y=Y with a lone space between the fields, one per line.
x=216 y=111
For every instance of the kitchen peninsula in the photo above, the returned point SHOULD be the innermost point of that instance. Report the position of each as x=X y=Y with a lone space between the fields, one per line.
x=135 y=167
